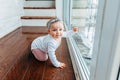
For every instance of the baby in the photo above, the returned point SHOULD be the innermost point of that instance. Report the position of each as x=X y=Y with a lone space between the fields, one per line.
x=45 y=46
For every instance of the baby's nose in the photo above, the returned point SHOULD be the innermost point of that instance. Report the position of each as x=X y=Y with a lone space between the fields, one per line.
x=58 y=32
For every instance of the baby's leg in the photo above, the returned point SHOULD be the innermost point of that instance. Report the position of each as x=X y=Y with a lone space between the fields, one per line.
x=40 y=55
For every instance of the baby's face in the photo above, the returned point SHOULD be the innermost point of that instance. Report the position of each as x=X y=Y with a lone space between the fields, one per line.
x=56 y=30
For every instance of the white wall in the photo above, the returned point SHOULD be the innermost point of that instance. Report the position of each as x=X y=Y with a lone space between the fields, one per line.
x=10 y=12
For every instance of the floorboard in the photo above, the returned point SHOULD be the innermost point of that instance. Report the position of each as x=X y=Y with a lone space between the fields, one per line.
x=18 y=63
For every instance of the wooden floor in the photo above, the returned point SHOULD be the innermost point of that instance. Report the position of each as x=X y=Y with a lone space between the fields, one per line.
x=18 y=63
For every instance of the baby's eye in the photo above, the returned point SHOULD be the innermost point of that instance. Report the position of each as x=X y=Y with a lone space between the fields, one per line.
x=54 y=30
x=60 y=29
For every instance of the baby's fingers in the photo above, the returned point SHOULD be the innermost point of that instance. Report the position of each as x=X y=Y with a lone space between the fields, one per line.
x=62 y=65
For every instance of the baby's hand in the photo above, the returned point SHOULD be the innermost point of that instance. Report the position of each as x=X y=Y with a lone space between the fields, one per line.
x=75 y=29
x=62 y=65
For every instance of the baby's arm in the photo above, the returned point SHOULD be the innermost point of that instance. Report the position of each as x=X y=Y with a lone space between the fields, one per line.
x=52 y=56
x=70 y=32
x=54 y=60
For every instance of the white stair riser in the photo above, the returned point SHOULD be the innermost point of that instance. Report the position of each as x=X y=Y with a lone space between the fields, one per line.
x=34 y=22
x=39 y=3
x=40 y=12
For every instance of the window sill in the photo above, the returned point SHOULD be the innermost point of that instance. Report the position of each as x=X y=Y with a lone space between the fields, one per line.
x=80 y=68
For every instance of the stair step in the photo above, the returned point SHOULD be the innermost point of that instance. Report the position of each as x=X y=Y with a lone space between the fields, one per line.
x=37 y=17
x=39 y=7
x=34 y=22
x=35 y=29
x=39 y=4
x=40 y=12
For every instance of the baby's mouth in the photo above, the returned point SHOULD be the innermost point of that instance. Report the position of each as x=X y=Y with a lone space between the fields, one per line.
x=58 y=35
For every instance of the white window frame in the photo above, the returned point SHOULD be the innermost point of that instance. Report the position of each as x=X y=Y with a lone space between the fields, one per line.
x=106 y=50
x=80 y=68
x=106 y=62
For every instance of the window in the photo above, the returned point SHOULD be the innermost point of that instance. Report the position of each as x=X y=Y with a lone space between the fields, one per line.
x=82 y=13
x=84 y=16
x=103 y=63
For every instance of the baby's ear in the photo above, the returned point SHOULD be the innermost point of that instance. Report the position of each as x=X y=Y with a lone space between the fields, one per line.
x=48 y=30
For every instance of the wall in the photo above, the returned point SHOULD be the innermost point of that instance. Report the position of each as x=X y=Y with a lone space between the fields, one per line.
x=10 y=12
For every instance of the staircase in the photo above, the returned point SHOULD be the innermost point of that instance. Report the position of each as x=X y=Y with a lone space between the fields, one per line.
x=38 y=12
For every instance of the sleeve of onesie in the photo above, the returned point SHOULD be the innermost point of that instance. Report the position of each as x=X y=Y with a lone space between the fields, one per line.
x=51 y=54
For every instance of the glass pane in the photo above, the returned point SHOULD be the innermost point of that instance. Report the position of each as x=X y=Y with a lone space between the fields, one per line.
x=84 y=16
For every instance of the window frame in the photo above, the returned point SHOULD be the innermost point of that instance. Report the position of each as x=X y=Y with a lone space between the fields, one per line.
x=106 y=26
x=106 y=62
x=80 y=68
